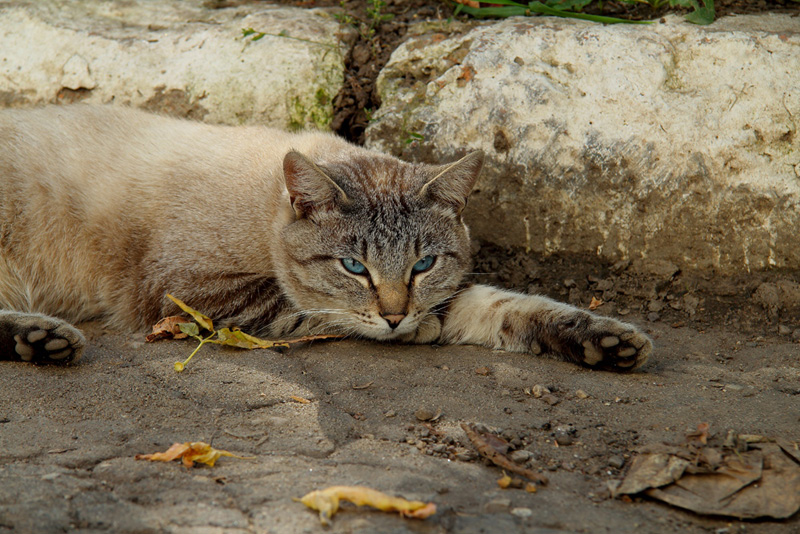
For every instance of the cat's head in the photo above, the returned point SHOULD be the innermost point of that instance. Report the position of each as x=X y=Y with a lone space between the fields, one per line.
x=376 y=242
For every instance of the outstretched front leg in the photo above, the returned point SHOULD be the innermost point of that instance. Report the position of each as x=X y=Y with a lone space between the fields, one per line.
x=37 y=338
x=483 y=315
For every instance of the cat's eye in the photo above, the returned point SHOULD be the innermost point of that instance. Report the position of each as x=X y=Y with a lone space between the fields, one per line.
x=424 y=264
x=354 y=266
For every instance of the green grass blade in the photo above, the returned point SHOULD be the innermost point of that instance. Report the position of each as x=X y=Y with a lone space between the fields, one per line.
x=538 y=7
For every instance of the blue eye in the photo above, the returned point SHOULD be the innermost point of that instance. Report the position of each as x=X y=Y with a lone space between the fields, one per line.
x=424 y=264
x=354 y=266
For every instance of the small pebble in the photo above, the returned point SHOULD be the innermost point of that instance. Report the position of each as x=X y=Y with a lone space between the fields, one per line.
x=519 y=61
x=563 y=439
x=423 y=414
x=498 y=506
x=616 y=462
x=439 y=447
x=653 y=317
x=784 y=330
x=538 y=390
x=550 y=399
x=520 y=456
x=655 y=305
x=796 y=335
x=522 y=512
x=466 y=456
x=570 y=283
x=390 y=413
x=581 y=394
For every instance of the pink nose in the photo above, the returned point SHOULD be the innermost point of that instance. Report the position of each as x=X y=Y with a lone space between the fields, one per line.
x=394 y=319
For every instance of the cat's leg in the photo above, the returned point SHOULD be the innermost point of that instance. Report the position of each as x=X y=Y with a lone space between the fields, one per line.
x=483 y=315
x=37 y=338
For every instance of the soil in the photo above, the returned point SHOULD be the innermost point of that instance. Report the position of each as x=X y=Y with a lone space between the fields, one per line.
x=389 y=416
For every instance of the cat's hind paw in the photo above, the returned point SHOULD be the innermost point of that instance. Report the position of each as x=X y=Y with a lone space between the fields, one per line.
x=615 y=346
x=39 y=339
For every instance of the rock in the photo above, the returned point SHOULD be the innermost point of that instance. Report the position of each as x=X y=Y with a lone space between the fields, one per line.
x=176 y=57
x=465 y=456
x=580 y=394
x=563 y=439
x=497 y=506
x=520 y=456
x=796 y=335
x=784 y=330
x=424 y=414
x=613 y=165
x=653 y=317
x=522 y=512
x=538 y=390
x=616 y=462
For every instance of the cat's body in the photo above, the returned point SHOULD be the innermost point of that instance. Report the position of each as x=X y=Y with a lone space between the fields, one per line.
x=105 y=210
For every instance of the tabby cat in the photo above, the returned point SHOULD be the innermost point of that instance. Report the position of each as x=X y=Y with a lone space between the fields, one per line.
x=104 y=210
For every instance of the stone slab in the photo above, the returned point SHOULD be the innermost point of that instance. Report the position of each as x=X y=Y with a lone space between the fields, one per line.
x=179 y=57
x=666 y=142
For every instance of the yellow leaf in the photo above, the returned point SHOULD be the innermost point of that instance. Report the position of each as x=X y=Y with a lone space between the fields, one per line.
x=189 y=452
x=326 y=502
x=202 y=320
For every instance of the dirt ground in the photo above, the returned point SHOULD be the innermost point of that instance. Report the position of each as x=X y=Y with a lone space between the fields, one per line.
x=68 y=436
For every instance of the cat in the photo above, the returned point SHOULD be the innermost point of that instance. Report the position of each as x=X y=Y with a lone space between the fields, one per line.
x=104 y=210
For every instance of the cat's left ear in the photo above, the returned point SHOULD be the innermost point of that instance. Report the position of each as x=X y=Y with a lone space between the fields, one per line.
x=453 y=182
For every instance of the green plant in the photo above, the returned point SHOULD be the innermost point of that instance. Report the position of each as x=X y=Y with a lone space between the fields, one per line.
x=701 y=14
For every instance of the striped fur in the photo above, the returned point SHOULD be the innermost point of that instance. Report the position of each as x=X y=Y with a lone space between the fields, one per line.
x=105 y=210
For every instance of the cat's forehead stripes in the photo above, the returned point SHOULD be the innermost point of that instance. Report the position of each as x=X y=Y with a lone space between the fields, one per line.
x=380 y=182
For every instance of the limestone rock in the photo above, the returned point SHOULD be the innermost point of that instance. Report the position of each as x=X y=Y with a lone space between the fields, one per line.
x=174 y=56
x=668 y=142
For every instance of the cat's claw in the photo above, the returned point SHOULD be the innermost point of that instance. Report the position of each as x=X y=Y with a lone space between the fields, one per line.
x=41 y=339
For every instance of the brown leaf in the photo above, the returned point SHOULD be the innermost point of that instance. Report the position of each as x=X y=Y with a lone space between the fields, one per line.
x=595 y=303
x=168 y=328
x=759 y=483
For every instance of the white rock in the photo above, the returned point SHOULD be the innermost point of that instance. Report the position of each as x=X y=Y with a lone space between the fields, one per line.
x=669 y=141
x=174 y=56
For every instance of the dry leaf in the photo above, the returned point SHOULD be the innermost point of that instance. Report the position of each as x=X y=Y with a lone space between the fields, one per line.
x=469 y=3
x=190 y=452
x=764 y=482
x=168 y=328
x=596 y=303
x=326 y=502
x=202 y=320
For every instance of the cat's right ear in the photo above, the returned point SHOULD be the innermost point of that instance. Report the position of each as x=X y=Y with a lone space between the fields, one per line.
x=310 y=189
x=453 y=182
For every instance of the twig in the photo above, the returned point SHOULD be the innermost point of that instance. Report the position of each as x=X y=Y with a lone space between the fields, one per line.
x=500 y=460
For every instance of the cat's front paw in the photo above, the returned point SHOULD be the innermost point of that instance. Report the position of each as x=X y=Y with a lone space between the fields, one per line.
x=40 y=339
x=428 y=331
x=612 y=345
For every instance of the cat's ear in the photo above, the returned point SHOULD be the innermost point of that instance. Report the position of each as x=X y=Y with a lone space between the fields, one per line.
x=453 y=182
x=310 y=189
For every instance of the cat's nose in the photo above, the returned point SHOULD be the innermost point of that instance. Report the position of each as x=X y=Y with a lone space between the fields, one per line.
x=394 y=319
